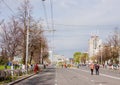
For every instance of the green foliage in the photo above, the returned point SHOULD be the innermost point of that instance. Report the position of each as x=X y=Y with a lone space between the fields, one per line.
x=3 y=60
x=80 y=57
x=84 y=57
x=77 y=57
x=2 y=67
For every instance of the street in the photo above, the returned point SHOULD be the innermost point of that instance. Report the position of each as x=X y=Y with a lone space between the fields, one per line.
x=72 y=76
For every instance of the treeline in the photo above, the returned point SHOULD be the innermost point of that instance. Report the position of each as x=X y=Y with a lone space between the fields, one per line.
x=14 y=32
x=80 y=57
x=110 y=50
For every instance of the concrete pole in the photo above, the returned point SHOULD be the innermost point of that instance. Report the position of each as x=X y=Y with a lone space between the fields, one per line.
x=27 y=40
x=119 y=48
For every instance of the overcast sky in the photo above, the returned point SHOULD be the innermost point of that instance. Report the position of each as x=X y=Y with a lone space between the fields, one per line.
x=75 y=21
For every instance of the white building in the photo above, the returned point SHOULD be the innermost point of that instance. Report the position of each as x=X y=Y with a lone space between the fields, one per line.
x=60 y=58
x=95 y=44
x=17 y=59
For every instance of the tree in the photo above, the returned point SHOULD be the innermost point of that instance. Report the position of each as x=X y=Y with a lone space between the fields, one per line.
x=10 y=38
x=25 y=19
x=84 y=57
x=77 y=57
x=13 y=37
x=111 y=48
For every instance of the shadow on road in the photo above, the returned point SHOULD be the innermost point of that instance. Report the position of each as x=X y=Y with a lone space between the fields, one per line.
x=46 y=77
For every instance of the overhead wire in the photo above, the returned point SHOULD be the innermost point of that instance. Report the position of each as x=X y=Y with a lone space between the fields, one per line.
x=45 y=13
x=72 y=25
x=52 y=21
x=8 y=6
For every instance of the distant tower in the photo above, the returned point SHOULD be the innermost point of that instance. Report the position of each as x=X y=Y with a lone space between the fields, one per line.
x=94 y=45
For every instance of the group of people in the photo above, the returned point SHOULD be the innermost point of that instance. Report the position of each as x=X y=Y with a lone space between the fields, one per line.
x=94 y=66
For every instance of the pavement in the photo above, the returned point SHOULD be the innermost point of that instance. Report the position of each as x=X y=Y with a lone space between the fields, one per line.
x=45 y=77
x=19 y=80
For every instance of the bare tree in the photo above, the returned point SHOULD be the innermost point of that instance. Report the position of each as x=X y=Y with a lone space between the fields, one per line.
x=111 y=48
x=13 y=37
x=25 y=19
x=10 y=38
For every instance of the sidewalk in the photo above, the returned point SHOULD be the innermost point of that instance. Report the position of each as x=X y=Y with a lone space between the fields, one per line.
x=112 y=70
x=20 y=79
x=23 y=78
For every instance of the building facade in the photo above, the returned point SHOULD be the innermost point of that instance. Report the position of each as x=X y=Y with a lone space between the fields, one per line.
x=95 y=45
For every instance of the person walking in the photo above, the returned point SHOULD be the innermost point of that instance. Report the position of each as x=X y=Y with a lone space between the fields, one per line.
x=36 y=69
x=97 y=68
x=92 y=68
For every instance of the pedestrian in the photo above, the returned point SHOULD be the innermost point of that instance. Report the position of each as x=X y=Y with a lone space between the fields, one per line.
x=97 y=68
x=44 y=66
x=92 y=68
x=36 y=68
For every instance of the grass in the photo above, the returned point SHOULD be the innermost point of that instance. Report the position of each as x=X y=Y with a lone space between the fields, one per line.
x=2 y=67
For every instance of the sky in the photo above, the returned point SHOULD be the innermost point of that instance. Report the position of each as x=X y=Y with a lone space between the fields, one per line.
x=74 y=21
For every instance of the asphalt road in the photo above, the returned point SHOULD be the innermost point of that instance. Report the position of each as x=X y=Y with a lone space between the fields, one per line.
x=72 y=76
x=82 y=76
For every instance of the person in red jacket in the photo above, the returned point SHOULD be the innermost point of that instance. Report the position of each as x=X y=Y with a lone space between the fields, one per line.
x=36 y=68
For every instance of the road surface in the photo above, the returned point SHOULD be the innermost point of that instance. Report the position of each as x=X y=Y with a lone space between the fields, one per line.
x=72 y=76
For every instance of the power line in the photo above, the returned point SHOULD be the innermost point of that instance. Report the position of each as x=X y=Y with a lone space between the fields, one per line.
x=45 y=13
x=71 y=25
x=52 y=21
x=8 y=6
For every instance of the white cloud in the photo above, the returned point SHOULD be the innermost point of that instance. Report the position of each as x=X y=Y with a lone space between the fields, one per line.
x=75 y=12
x=101 y=12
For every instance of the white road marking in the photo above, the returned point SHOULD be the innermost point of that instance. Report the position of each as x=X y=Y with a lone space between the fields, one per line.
x=56 y=77
x=110 y=76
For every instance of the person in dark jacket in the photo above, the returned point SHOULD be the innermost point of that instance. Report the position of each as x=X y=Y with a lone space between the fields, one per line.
x=97 y=68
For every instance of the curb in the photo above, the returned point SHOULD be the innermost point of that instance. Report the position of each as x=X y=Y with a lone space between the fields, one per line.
x=16 y=81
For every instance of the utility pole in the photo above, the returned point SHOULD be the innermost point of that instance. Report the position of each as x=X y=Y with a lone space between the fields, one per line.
x=27 y=40
x=100 y=49
x=41 y=50
x=119 y=48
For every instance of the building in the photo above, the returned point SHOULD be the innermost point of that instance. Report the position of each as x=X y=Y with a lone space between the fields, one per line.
x=95 y=44
x=17 y=59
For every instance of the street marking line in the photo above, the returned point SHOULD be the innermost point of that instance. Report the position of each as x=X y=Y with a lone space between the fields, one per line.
x=103 y=75
x=110 y=76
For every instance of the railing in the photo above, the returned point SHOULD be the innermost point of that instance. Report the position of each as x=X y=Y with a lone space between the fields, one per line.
x=11 y=74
